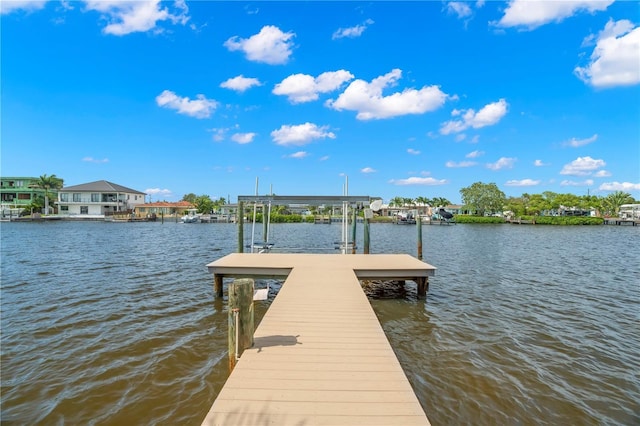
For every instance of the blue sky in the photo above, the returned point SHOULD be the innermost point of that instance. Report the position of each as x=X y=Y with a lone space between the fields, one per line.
x=405 y=99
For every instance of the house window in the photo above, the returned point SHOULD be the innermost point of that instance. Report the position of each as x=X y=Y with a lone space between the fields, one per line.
x=64 y=197
x=77 y=198
x=64 y=208
x=24 y=196
x=95 y=198
x=84 y=209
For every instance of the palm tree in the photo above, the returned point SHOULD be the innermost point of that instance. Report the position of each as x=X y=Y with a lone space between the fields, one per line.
x=48 y=183
x=396 y=201
x=440 y=202
x=422 y=201
x=407 y=202
x=613 y=201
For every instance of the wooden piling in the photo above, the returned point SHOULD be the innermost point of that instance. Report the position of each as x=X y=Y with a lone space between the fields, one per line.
x=240 y=318
x=217 y=285
x=353 y=233
x=240 y=216
x=366 y=236
x=265 y=226
x=423 y=285
x=419 y=226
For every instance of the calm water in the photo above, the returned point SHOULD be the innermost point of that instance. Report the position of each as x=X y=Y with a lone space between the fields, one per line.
x=116 y=323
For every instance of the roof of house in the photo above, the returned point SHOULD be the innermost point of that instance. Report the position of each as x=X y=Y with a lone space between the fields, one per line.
x=101 y=186
x=185 y=204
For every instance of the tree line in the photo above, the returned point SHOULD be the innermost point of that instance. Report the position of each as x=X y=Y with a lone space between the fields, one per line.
x=479 y=199
x=486 y=198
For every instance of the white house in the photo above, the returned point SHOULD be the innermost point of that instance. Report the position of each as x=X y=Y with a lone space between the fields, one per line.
x=98 y=198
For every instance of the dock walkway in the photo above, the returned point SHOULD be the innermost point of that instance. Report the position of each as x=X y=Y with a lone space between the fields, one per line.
x=320 y=356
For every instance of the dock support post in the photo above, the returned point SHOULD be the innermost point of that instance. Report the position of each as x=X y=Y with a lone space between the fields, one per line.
x=265 y=227
x=419 y=226
x=423 y=285
x=240 y=227
x=353 y=233
x=217 y=285
x=366 y=235
x=240 y=318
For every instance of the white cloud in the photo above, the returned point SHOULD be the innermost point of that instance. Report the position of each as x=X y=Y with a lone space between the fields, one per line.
x=573 y=142
x=453 y=164
x=299 y=154
x=502 y=163
x=130 y=16
x=418 y=181
x=539 y=163
x=243 y=138
x=323 y=158
x=270 y=45
x=305 y=88
x=368 y=170
x=301 y=134
x=461 y=9
x=602 y=173
x=619 y=186
x=7 y=7
x=532 y=14
x=460 y=137
x=489 y=115
x=413 y=151
x=95 y=160
x=367 y=99
x=522 y=182
x=615 y=61
x=220 y=133
x=352 y=32
x=582 y=166
x=158 y=191
x=198 y=108
x=587 y=182
x=474 y=154
x=240 y=83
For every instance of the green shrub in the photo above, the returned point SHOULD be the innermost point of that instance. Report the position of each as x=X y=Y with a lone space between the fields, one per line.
x=568 y=220
x=463 y=218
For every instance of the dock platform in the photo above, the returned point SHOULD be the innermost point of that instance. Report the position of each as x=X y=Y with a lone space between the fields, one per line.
x=320 y=356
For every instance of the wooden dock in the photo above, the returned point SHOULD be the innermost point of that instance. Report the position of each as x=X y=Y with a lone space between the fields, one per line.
x=621 y=221
x=320 y=356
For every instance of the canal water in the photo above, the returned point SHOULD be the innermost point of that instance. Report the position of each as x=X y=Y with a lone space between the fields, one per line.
x=116 y=323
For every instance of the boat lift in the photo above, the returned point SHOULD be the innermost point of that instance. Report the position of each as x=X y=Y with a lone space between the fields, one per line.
x=267 y=201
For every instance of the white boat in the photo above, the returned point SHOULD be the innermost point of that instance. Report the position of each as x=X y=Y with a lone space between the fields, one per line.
x=191 y=217
x=405 y=219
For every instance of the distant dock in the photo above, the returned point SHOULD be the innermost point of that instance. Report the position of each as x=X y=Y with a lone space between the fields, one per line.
x=320 y=356
x=620 y=221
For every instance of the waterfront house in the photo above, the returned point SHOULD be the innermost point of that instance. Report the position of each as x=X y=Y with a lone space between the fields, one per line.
x=163 y=208
x=17 y=193
x=630 y=211
x=100 y=198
